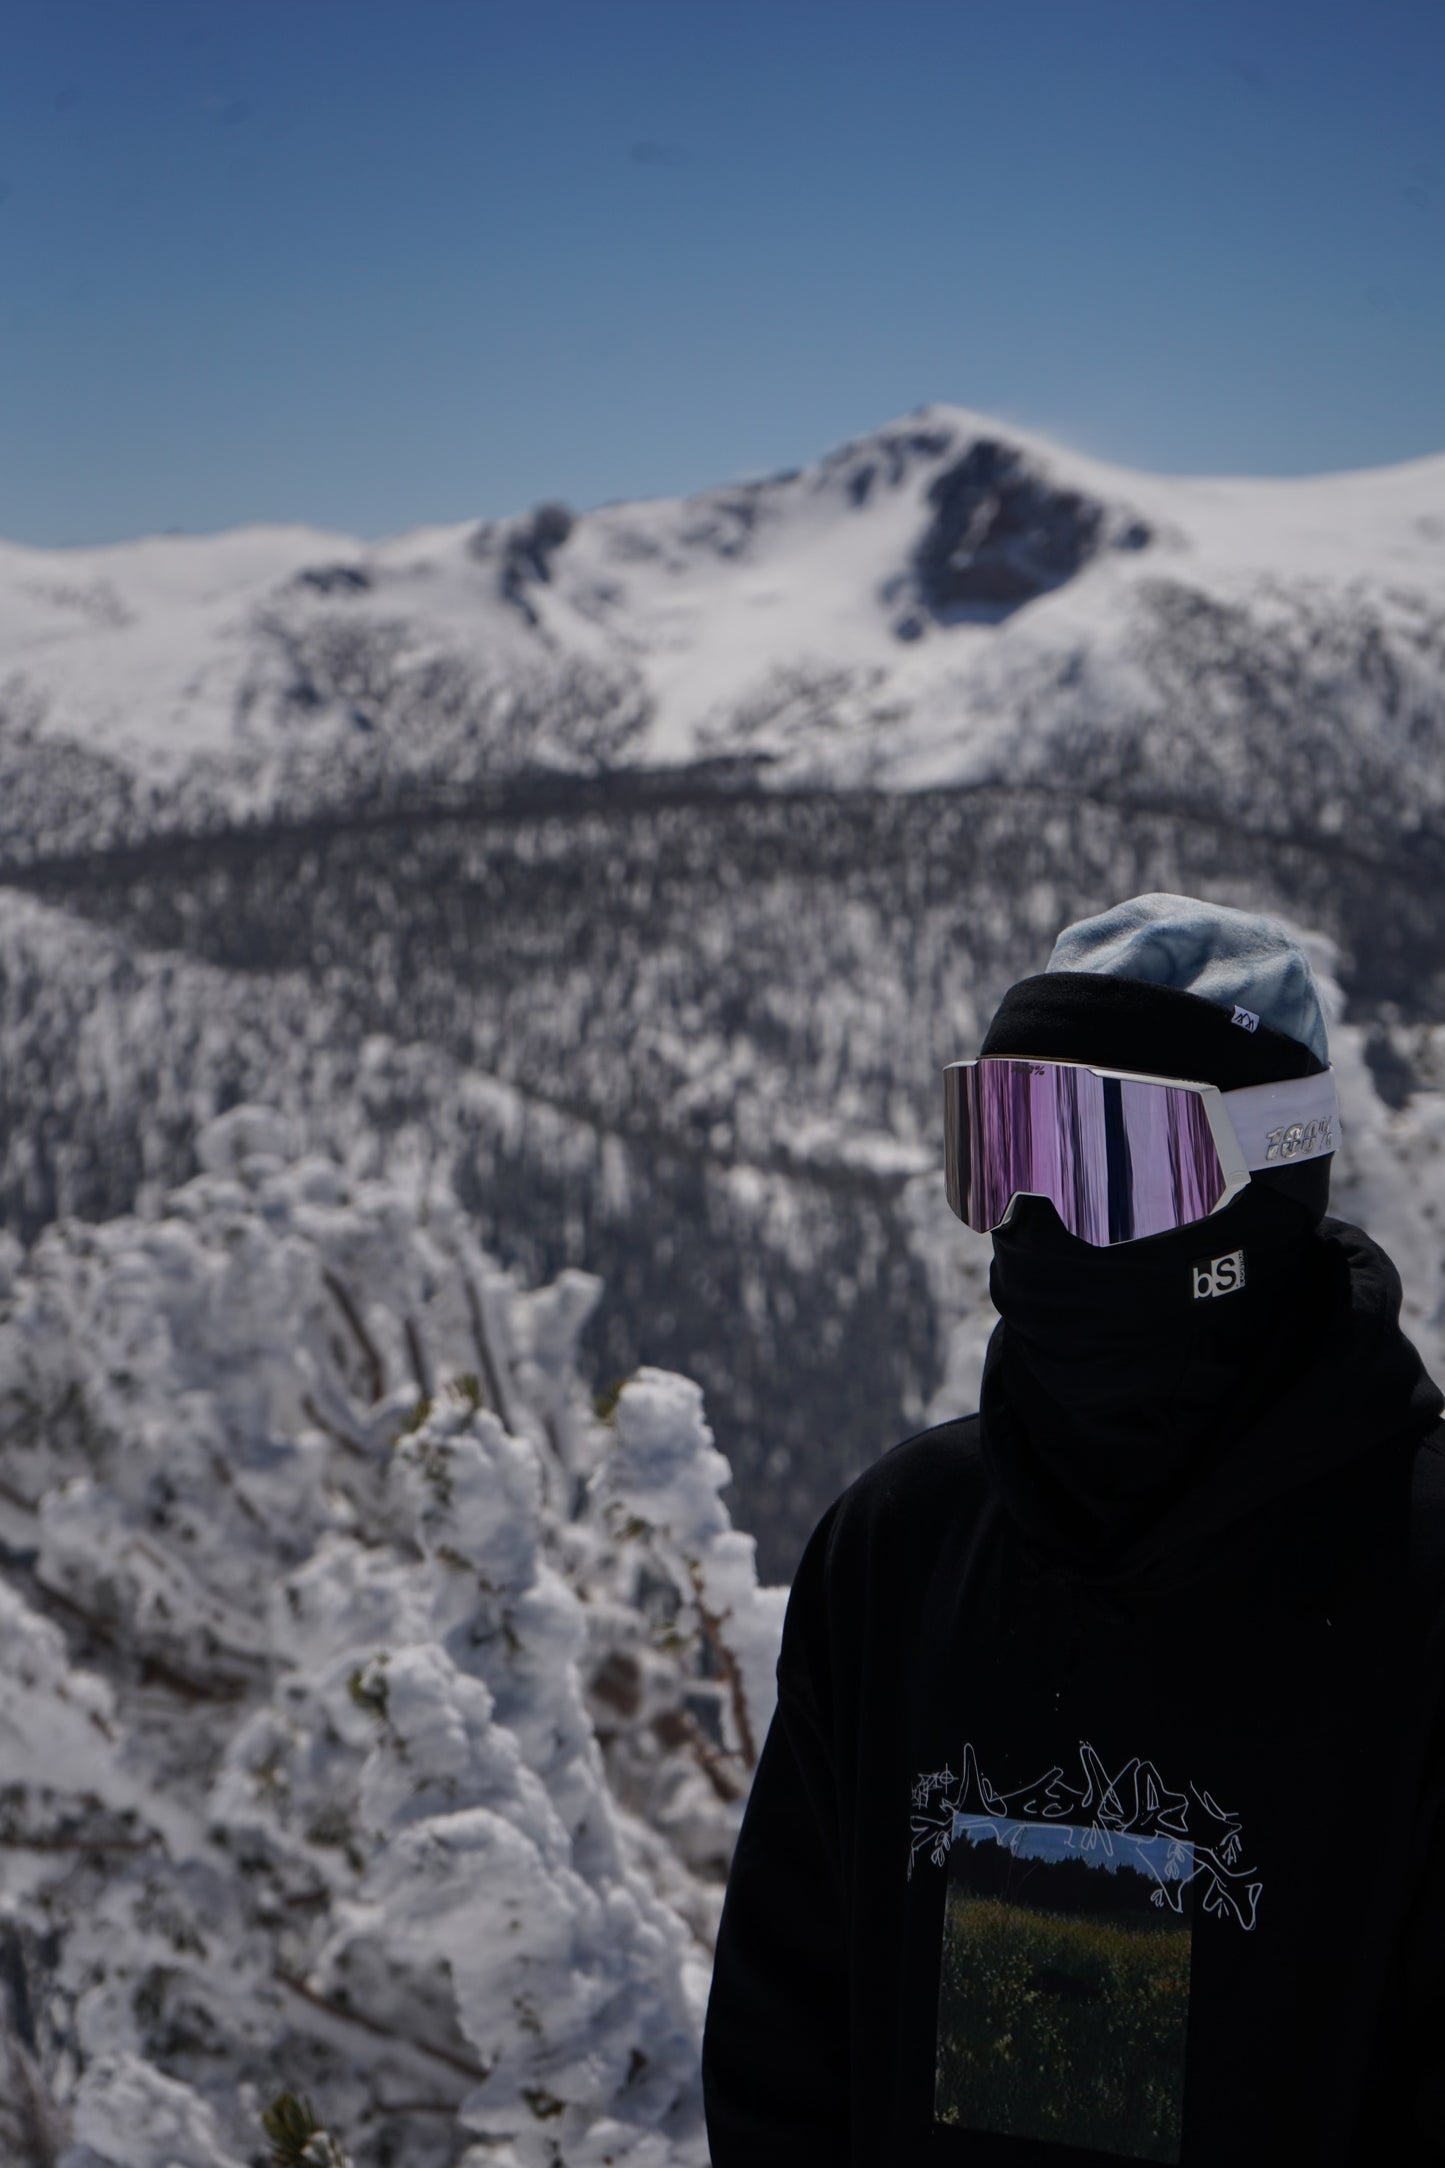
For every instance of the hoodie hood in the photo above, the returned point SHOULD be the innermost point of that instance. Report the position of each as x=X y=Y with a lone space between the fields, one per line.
x=1126 y=1425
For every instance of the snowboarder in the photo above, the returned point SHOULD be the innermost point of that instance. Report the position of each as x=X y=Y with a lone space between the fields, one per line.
x=1102 y=1815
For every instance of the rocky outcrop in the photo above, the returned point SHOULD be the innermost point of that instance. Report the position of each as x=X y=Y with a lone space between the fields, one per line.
x=525 y=548
x=1002 y=533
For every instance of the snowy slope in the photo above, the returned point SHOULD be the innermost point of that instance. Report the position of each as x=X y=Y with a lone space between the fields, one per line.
x=877 y=616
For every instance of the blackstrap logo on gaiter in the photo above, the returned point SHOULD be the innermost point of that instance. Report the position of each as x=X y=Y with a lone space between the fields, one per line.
x=1220 y=1276
x=1068 y=1929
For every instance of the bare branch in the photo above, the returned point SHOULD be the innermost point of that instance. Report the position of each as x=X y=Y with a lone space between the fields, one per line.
x=339 y=1437
x=376 y=1371
x=298 y=1986
x=9 y=1841
x=17 y=1498
x=407 y=2107
x=727 y=1663
x=420 y=1369
x=153 y=1668
x=35 y=2122
x=482 y=1337
x=679 y=1727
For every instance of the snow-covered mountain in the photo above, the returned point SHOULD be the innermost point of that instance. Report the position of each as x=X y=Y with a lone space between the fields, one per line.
x=886 y=616
x=641 y=869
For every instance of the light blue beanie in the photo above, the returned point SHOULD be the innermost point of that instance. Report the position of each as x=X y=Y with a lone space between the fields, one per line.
x=1238 y=958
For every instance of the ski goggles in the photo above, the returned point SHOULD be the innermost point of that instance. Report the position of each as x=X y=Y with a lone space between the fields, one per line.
x=1118 y=1155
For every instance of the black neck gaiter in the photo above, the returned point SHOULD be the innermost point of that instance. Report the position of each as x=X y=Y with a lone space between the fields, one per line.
x=1113 y=1375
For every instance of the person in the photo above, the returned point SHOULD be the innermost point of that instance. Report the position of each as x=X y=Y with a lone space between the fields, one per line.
x=1100 y=1816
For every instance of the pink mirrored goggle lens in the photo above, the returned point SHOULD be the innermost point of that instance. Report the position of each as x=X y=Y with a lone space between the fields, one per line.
x=1118 y=1159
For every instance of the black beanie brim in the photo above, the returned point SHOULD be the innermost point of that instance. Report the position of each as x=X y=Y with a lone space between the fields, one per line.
x=1121 y=1023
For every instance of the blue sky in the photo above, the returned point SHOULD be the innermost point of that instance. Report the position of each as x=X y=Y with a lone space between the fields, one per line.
x=1060 y=1840
x=377 y=263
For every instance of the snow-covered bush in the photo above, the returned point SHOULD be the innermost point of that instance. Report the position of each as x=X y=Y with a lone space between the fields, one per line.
x=381 y=1711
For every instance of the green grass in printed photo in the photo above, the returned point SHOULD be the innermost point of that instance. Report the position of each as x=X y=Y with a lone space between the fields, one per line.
x=1064 y=2027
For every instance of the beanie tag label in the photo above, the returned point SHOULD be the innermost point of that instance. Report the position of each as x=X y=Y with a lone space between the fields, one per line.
x=1244 y=1017
x=1220 y=1276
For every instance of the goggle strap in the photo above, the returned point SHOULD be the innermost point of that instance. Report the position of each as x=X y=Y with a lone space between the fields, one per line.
x=1277 y=1124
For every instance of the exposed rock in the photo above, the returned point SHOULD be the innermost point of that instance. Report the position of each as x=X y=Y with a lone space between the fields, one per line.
x=726 y=519
x=535 y=540
x=861 y=483
x=334 y=579
x=528 y=550
x=888 y=457
x=913 y=444
x=1002 y=534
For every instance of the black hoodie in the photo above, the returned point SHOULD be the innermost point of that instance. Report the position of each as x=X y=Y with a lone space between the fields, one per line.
x=1103 y=1816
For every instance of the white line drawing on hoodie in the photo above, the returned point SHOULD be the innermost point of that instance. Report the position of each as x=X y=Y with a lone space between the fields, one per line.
x=1131 y=1810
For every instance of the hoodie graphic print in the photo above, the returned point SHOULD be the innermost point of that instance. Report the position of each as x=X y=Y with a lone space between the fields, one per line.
x=1066 y=1946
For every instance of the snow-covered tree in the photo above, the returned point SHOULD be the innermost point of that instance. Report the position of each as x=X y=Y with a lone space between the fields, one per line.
x=380 y=1709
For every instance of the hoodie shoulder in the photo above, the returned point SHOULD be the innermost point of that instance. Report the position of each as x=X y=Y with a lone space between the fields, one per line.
x=1427 y=1521
x=933 y=1472
x=929 y=1456
x=1430 y=1467
x=881 y=1533
x=940 y=1445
